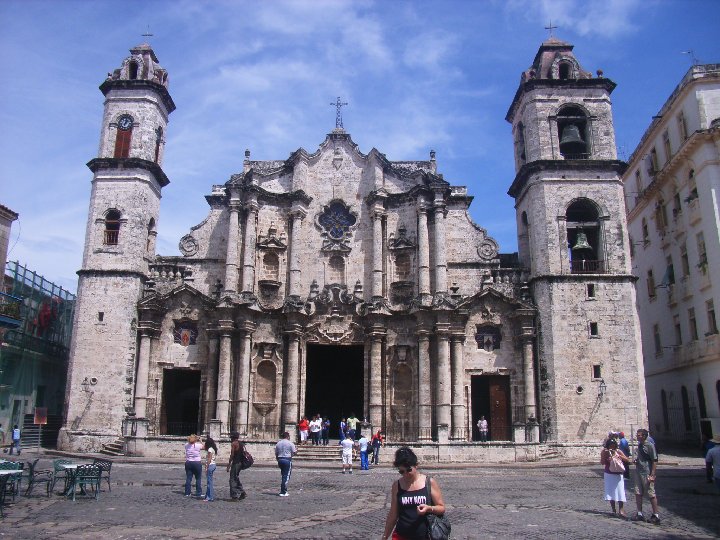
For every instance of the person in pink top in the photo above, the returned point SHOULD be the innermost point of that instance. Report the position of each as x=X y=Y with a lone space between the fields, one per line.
x=193 y=465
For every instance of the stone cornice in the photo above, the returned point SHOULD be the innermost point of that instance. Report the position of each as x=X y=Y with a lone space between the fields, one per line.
x=574 y=84
x=139 y=84
x=116 y=273
x=583 y=277
x=569 y=165
x=129 y=163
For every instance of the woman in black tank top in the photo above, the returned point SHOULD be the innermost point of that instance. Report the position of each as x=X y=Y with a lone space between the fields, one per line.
x=410 y=502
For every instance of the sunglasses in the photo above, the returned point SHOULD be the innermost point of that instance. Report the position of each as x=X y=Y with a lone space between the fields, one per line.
x=405 y=471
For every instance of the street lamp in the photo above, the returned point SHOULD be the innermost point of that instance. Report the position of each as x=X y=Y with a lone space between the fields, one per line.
x=602 y=389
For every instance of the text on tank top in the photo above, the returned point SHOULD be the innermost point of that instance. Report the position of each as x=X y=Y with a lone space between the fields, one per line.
x=409 y=523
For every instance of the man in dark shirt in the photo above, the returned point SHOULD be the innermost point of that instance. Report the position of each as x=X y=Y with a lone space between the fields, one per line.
x=644 y=477
x=237 y=492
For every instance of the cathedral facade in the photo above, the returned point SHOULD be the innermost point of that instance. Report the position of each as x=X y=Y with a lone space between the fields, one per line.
x=343 y=283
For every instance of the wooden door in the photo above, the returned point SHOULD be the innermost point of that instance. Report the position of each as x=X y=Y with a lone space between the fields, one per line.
x=499 y=391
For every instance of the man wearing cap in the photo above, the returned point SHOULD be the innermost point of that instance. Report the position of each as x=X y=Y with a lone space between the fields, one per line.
x=712 y=459
x=644 y=476
x=284 y=452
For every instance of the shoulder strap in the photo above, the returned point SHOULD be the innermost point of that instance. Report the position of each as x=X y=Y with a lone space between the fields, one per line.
x=428 y=488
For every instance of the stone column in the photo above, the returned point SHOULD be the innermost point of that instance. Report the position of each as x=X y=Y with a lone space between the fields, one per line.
x=529 y=373
x=377 y=253
x=458 y=383
x=248 y=276
x=443 y=377
x=222 y=411
x=423 y=251
x=440 y=245
x=292 y=374
x=242 y=378
x=143 y=371
x=424 y=396
x=296 y=218
x=376 y=344
x=212 y=374
x=232 y=261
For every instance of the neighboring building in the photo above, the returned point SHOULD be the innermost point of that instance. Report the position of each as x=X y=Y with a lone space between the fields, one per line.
x=672 y=188
x=34 y=355
x=341 y=282
x=9 y=305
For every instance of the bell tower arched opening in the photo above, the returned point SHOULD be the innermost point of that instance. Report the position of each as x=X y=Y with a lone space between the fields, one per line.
x=572 y=126
x=584 y=238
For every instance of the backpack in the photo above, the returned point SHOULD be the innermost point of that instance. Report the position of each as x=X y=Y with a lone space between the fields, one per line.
x=246 y=460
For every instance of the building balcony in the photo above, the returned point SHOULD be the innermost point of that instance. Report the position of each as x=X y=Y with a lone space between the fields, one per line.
x=587 y=267
x=10 y=311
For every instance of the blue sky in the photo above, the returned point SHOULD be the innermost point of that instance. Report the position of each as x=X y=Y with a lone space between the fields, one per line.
x=261 y=75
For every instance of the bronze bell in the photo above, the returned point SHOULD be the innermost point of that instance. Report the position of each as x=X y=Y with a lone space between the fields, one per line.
x=571 y=142
x=581 y=242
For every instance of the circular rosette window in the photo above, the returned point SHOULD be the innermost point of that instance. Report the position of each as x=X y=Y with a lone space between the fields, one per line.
x=336 y=220
x=487 y=250
x=188 y=245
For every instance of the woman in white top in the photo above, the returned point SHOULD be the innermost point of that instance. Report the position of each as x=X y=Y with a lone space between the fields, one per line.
x=210 y=466
x=193 y=465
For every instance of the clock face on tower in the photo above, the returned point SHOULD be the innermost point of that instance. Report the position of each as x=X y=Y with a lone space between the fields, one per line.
x=125 y=122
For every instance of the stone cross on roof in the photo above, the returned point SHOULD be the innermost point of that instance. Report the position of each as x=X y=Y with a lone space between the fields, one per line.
x=338 y=113
x=550 y=27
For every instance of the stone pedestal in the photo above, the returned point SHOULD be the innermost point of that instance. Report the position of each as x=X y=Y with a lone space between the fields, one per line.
x=135 y=433
x=532 y=432
x=443 y=433
x=519 y=432
x=290 y=428
x=213 y=428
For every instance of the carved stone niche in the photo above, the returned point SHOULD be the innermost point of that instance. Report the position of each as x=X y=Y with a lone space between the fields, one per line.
x=401 y=292
x=271 y=250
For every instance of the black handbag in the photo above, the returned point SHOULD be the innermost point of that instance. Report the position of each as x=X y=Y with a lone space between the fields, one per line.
x=438 y=527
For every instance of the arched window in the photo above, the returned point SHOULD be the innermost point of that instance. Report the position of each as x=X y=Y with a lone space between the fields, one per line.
x=402 y=385
x=123 y=136
x=112 y=228
x=265 y=382
x=336 y=269
x=564 y=70
x=686 y=409
x=520 y=144
x=572 y=127
x=132 y=70
x=584 y=238
x=701 y=401
x=271 y=266
x=158 y=142
x=150 y=243
x=666 y=417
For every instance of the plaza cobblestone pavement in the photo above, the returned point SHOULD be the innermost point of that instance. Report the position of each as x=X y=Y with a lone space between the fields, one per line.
x=528 y=501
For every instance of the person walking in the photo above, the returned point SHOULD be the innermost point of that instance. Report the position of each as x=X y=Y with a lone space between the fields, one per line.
x=284 y=452
x=326 y=431
x=15 y=444
x=304 y=427
x=315 y=428
x=410 y=501
x=363 y=443
x=615 y=462
x=624 y=447
x=193 y=465
x=237 y=449
x=376 y=443
x=483 y=429
x=348 y=445
x=644 y=476
x=343 y=430
x=211 y=450
x=712 y=461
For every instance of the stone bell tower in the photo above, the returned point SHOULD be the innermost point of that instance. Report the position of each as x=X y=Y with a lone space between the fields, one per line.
x=119 y=242
x=572 y=234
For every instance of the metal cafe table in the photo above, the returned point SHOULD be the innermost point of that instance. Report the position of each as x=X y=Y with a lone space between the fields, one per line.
x=81 y=474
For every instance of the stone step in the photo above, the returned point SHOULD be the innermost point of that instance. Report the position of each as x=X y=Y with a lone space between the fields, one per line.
x=116 y=448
